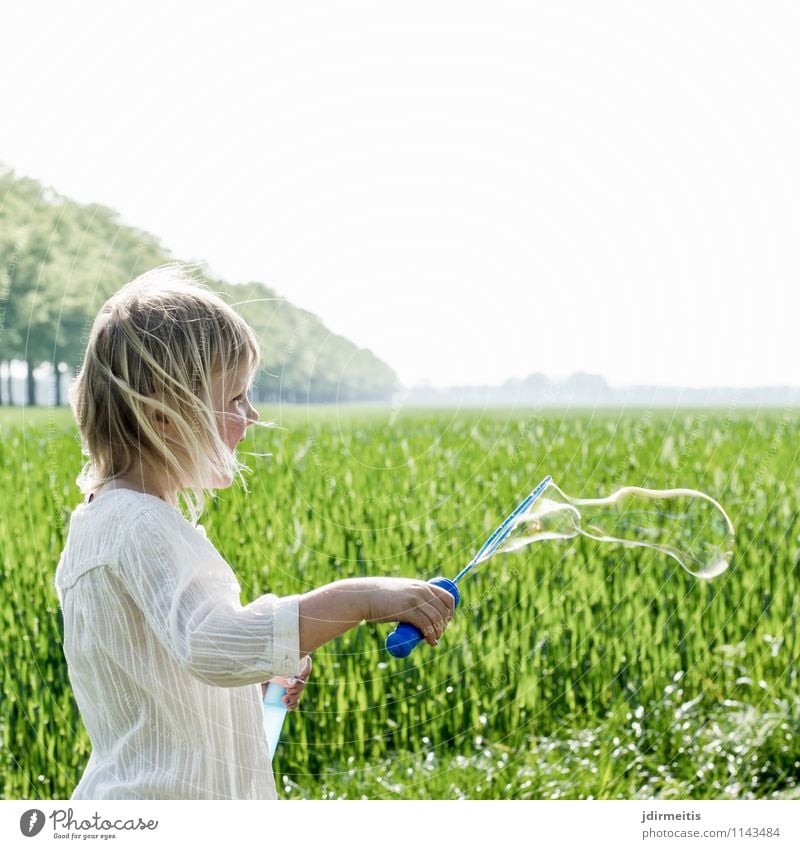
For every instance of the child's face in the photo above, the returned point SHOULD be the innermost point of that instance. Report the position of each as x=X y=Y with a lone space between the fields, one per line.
x=232 y=405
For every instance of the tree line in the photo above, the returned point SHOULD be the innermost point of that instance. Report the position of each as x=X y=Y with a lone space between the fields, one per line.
x=62 y=260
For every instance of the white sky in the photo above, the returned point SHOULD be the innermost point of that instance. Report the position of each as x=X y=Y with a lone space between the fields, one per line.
x=474 y=191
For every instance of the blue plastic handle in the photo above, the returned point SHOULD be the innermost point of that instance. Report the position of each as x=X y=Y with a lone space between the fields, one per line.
x=402 y=640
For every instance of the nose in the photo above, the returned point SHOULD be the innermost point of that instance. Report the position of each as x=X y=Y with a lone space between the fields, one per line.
x=252 y=413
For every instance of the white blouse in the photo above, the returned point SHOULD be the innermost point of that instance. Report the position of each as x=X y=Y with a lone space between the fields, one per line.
x=163 y=659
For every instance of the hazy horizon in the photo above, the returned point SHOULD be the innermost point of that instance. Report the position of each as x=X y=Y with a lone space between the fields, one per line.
x=404 y=393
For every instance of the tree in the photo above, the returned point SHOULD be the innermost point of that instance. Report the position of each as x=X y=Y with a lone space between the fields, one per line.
x=62 y=260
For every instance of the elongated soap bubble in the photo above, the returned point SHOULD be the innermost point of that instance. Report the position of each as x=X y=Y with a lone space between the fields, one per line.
x=685 y=524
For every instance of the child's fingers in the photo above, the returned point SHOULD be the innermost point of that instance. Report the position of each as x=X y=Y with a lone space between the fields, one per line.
x=290 y=700
x=294 y=685
x=446 y=601
x=297 y=682
x=305 y=672
x=439 y=611
x=428 y=620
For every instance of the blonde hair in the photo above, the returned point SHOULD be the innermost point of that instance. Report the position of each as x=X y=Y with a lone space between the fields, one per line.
x=154 y=348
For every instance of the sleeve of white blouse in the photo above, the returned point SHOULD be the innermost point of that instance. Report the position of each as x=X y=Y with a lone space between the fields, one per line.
x=196 y=613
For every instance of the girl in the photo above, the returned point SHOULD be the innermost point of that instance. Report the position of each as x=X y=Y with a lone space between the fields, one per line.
x=164 y=661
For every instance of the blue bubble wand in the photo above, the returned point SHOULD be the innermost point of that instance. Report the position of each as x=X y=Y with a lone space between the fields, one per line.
x=405 y=637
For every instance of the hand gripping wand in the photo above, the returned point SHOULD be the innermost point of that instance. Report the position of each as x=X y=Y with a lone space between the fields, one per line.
x=405 y=637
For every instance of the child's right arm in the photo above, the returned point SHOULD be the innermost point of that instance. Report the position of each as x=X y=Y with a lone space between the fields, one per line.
x=196 y=613
x=329 y=611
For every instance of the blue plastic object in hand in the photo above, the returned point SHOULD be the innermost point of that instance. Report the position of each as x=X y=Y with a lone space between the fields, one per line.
x=274 y=714
x=402 y=640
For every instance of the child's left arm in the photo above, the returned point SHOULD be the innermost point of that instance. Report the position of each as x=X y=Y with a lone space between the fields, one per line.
x=293 y=690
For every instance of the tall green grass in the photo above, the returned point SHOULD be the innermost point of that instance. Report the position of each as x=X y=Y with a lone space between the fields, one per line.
x=573 y=669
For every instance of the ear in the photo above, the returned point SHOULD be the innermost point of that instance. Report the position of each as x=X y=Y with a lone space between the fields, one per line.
x=162 y=423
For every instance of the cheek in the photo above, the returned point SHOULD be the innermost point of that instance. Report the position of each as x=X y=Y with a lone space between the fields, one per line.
x=224 y=425
x=230 y=427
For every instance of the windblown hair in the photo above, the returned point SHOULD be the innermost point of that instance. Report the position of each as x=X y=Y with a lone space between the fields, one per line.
x=154 y=348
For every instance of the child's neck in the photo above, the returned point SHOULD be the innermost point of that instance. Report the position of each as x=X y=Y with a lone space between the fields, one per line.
x=140 y=481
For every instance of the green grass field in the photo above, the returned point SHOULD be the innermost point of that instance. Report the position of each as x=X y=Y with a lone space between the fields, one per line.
x=573 y=670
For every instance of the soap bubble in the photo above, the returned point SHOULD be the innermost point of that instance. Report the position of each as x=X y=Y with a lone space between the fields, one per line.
x=685 y=524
